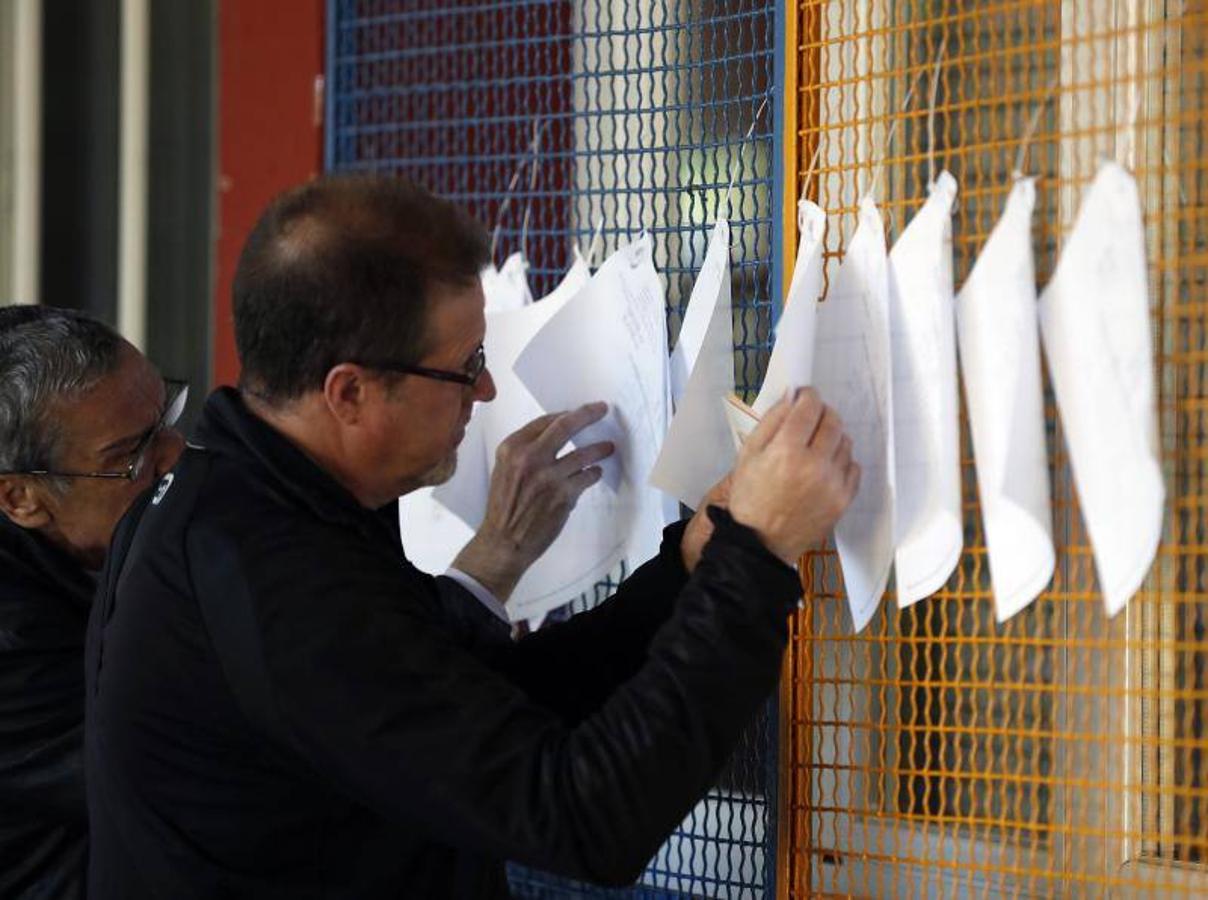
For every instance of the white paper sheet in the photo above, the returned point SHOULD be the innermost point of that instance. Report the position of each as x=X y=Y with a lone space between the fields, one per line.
x=576 y=560
x=432 y=534
x=999 y=340
x=1094 y=317
x=926 y=432
x=698 y=451
x=853 y=372
x=465 y=494
x=507 y=288
x=714 y=275
x=508 y=332
x=792 y=362
x=437 y=522
x=608 y=342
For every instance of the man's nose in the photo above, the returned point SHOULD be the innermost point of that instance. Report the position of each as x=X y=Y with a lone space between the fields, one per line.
x=484 y=387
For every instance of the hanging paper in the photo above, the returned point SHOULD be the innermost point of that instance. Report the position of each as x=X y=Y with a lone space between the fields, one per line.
x=437 y=522
x=792 y=362
x=1000 y=365
x=853 y=373
x=507 y=288
x=608 y=342
x=1094 y=318
x=698 y=452
x=926 y=432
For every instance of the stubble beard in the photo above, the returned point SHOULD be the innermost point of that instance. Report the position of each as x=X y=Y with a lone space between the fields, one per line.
x=441 y=472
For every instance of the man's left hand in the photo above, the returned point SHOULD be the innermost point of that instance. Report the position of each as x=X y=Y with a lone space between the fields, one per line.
x=532 y=493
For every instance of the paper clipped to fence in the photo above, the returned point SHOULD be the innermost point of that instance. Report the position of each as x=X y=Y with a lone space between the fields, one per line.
x=437 y=522
x=684 y=470
x=1094 y=317
x=853 y=373
x=999 y=343
x=609 y=342
x=791 y=364
x=928 y=532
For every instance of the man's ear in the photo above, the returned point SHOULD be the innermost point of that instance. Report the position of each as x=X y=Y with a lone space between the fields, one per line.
x=346 y=391
x=23 y=502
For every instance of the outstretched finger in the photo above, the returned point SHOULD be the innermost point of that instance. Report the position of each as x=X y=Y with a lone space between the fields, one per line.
x=570 y=463
x=829 y=433
x=526 y=434
x=770 y=423
x=804 y=416
x=567 y=425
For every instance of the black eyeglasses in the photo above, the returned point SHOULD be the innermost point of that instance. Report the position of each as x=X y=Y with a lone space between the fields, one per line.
x=473 y=371
x=176 y=395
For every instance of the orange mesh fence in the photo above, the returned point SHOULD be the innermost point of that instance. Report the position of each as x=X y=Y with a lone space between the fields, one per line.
x=1062 y=753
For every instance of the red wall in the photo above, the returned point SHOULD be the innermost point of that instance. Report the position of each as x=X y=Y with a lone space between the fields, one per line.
x=270 y=136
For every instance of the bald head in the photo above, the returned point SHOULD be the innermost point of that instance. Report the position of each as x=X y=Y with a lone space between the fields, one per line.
x=341 y=270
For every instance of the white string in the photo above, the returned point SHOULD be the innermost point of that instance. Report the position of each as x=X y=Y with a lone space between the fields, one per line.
x=809 y=172
x=536 y=148
x=595 y=240
x=724 y=212
x=507 y=198
x=935 y=88
x=880 y=166
x=1128 y=158
x=1030 y=131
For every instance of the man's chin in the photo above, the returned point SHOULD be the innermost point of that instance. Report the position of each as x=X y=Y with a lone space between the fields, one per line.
x=441 y=472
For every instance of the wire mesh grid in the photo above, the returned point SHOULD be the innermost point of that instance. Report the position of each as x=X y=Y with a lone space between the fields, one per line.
x=548 y=119
x=1061 y=753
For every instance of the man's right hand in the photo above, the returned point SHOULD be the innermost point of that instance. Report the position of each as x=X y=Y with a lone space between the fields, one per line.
x=795 y=475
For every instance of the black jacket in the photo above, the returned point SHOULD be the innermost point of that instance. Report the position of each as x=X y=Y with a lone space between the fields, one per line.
x=45 y=596
x=280 y=705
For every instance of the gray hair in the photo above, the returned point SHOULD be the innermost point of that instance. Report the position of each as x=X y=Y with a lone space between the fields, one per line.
x=47 y=355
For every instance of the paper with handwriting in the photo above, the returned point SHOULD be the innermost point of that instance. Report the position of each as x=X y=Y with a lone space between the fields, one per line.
x=1095 y=324
x=998 y=334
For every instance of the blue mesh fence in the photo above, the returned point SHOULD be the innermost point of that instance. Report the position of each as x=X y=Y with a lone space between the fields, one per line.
x=546 y=119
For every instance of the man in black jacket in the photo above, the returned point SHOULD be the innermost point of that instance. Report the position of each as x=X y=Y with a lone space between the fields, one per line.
x=280 y=705
x=82 y=431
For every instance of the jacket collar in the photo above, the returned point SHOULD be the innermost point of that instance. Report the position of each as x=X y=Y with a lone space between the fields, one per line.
x=227 y=427
x=26 y=556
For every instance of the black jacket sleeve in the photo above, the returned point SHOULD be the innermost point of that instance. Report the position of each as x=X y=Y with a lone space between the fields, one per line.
x=41 y=719
x=375 y=696
x=41 y=774
x=573 y=666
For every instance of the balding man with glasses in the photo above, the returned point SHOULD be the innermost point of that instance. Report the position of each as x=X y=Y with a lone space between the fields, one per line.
x=85 y=426
x=281 y=706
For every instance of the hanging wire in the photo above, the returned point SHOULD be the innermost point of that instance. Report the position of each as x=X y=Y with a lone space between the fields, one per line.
x=935 y=88
x=893 y=129
x=1030 y=132
x=513 y=182
x=535 y=147
x=596 y=235
x=724 y=212
x=1128 y=158
x=809 y=172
